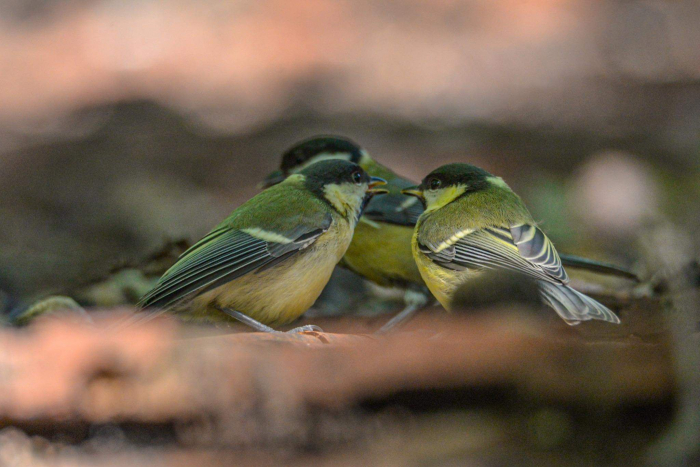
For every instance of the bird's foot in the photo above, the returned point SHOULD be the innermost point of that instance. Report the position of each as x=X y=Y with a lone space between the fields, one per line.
x=260 y=327
x=306 y=328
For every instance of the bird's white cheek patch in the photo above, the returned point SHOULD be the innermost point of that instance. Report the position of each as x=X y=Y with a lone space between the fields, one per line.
x=346 y=198
x=267 y=236
x=443 y=197
x=498 y=181
x=296 y=178
x=335 y=194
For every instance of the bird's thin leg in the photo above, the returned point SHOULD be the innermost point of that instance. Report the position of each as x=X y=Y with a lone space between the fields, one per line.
x=415 y=301
x=404 y=315
x=247 y=320
x=260 y=327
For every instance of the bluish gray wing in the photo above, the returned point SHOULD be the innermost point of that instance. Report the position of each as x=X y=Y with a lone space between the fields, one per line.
x=496 y=247
x=527 y=250
x=534 y=246
x=225 y=255
x=573 y=306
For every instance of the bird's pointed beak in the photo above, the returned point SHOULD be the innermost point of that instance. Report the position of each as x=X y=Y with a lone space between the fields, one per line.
x=413 y=191
x=273 y=179
x=374 y=183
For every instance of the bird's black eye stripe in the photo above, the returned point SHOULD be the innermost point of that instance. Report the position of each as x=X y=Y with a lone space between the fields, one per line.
x=357 y=177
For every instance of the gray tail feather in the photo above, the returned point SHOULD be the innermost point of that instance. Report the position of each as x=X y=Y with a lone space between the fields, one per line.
x=573 y=306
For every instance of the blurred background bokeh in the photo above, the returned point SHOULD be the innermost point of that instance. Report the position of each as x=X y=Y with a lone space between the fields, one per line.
x=127 y=124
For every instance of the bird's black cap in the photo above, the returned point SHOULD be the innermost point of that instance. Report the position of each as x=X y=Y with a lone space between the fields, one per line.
x=457 y=174
x=307 y=149
x=335 y=171
x=338 y=171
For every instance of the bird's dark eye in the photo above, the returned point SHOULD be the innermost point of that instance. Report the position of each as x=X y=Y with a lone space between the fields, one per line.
x=357 y=177
x=434 y=184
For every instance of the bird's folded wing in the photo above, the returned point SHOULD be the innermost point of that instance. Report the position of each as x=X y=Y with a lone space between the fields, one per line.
x=226 y=254
x=394 y=207
x=522 y=248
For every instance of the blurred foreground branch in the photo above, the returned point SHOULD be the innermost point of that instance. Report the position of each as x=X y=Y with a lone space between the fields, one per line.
x=497 y=387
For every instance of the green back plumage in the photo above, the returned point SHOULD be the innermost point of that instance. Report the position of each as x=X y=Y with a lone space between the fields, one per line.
x=493 y=206
x=279 y=208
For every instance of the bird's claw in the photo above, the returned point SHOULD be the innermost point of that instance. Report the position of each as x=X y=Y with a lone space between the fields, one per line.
x=306 y=328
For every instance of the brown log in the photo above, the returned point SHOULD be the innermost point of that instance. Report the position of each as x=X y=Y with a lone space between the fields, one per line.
x=149 y=372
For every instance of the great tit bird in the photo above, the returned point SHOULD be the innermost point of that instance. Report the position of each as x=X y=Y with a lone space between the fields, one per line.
x=268 y=262
x=380 y=250
x=472 y=222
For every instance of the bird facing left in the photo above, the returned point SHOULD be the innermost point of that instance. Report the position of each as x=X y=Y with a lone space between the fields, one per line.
x=474 y=222
x=267 y=263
